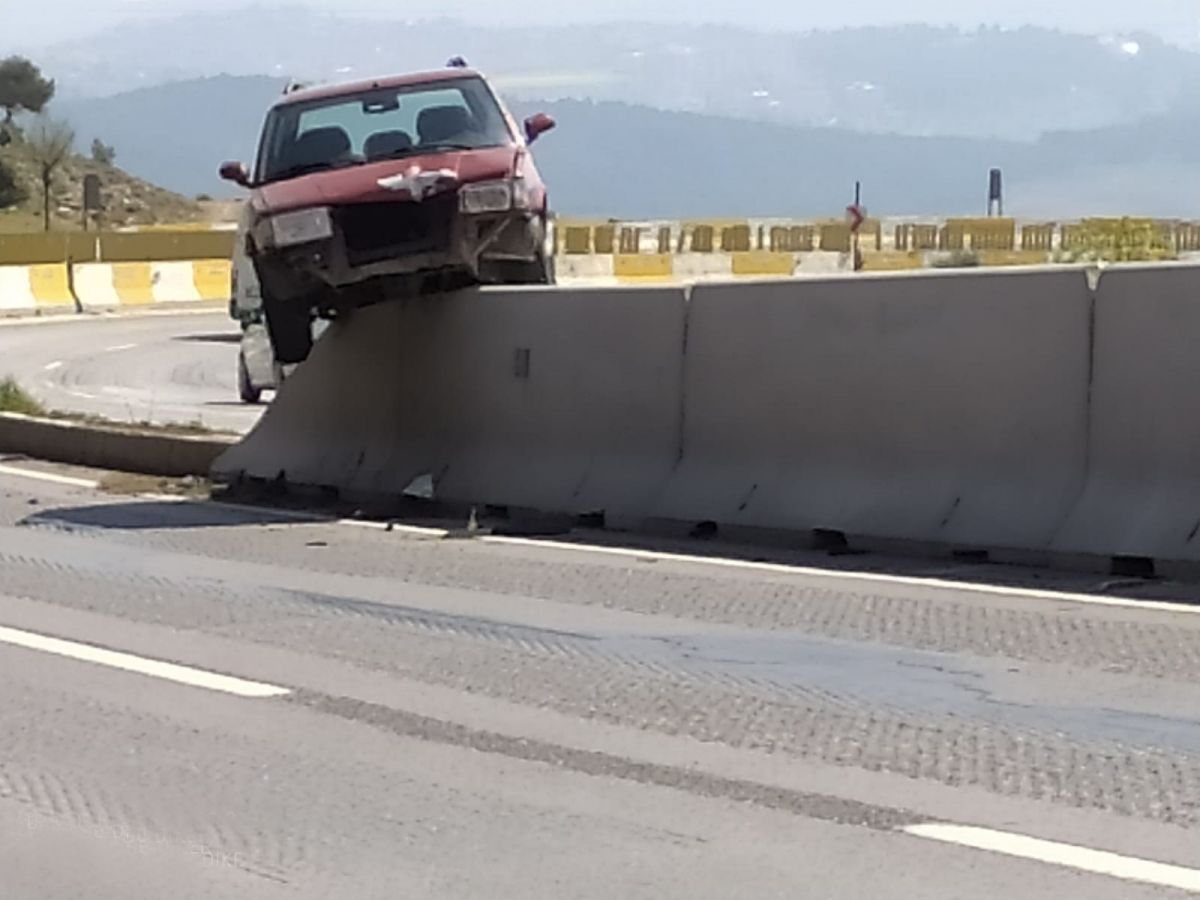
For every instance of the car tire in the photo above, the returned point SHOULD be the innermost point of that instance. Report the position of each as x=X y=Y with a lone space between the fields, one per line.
x=246 y=389
x=290 y=328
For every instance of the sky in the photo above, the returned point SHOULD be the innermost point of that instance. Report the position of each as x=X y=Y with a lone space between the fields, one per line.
x=48 y=21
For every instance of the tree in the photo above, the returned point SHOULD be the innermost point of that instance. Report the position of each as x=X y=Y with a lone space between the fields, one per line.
x=103 y=153
x=22 y=87
x=11 y=191
x=49 y=142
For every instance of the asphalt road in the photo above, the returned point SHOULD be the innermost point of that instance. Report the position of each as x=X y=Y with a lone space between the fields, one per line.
x=359 y=712
x=176 y=368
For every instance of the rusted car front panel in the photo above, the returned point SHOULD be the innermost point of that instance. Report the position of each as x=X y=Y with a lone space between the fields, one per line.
x=381 y=250
x=387 y=242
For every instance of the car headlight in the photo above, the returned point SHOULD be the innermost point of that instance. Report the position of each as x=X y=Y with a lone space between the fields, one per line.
x=301 y=227
x=522 y=194
x=486 y=197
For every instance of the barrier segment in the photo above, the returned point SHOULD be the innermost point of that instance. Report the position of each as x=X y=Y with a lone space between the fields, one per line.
x=211 y=278
x=107 y=286
x=944 y=407
x=1143 y=488
x=16 y=293
x=133 y=283
x=557 y=399
x=94 y=287
x=33 y=289
x=51 y=287
x=173 y=282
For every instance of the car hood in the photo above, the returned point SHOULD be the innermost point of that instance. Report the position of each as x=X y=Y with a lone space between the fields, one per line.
x=360 y=184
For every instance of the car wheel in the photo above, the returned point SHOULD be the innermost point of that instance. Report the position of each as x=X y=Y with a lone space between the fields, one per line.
x=246 y=389
x=290 y=327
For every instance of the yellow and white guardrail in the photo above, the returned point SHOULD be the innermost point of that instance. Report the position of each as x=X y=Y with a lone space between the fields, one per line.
x=101 y=286
x=28 y=290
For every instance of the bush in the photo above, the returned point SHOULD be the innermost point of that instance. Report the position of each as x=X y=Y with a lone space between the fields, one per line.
x=103 y=153
x=956 y=259
x=14 y=399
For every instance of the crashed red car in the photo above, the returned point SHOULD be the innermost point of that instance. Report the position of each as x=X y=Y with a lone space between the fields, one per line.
x=382 y=189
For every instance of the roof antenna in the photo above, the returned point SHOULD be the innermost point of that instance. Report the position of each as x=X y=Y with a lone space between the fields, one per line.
x=457 y=62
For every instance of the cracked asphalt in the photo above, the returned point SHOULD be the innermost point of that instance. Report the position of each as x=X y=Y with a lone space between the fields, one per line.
x=474 y=718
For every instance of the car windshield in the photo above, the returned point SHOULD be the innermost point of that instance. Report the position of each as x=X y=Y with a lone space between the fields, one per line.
x=334 y=132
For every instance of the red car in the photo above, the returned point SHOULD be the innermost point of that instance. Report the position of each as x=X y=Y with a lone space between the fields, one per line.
x=382 y=189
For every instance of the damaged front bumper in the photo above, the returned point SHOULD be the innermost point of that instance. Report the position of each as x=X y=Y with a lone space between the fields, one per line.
x=386 y=250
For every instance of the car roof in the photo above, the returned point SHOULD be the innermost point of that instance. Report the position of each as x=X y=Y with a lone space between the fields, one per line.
x=351 y=88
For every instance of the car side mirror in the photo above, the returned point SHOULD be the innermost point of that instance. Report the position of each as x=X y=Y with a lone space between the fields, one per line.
x=235 y=172
x=536 y=126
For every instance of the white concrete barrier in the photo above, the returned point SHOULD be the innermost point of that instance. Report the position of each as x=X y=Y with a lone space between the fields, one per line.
x=555 y=399
x=946 y=407
x=27 y=290
x=1143 y=487
x=16 y=293
x=107 y=286
x=173 y=282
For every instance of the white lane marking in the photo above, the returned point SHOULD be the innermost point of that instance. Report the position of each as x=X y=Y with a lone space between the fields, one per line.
x=848 y=575
x=660 y=556
x=50 y=367
x=83 y=395
x=48 y=476
x=226 y=684
x=119 y=347
x=1099 y=862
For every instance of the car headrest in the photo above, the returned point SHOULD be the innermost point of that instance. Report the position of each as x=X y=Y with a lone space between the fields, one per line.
x=383 y=144
x=440 y=123
x=321 y=145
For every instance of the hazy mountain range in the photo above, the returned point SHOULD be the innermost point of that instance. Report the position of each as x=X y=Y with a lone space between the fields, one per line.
x=990 y=82
x=620 y=159
x=34 y=25
x=675 y=120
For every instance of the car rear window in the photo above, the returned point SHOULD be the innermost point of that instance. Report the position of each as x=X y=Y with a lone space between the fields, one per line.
x=384 y=124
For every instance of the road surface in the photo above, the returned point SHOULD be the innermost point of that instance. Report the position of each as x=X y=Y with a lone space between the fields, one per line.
x=212 y=701
x=176 y=368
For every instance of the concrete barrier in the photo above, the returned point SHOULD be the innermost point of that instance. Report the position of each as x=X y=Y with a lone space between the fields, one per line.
x=692 y=267
x=556 y=399
x=946 y=408
x=1143 y=486
x=110 y=447
x=16 y=293
x=173 y=282
x=35 y=289
x=108 y=286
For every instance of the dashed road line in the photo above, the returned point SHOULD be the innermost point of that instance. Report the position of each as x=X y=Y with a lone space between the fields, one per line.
x=1084 y=859
x=154 y=668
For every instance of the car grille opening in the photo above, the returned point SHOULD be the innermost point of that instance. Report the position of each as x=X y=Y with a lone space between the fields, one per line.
x=374 y=232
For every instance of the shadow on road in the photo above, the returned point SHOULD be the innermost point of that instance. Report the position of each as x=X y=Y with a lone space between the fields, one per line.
x=230 y=337
x=138 y=515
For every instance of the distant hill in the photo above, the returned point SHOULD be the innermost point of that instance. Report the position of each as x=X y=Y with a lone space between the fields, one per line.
x=626 y=160
x=916 y=80
x=128 y=200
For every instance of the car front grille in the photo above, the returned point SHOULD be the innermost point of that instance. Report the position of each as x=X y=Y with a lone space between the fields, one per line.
x=374 y=232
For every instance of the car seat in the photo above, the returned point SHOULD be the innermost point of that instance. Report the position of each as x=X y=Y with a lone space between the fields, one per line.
x=383 y=144
x=439 y=124
x=321 y=146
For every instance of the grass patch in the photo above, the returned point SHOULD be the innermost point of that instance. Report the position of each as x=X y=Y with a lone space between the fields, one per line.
x=15 y=399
